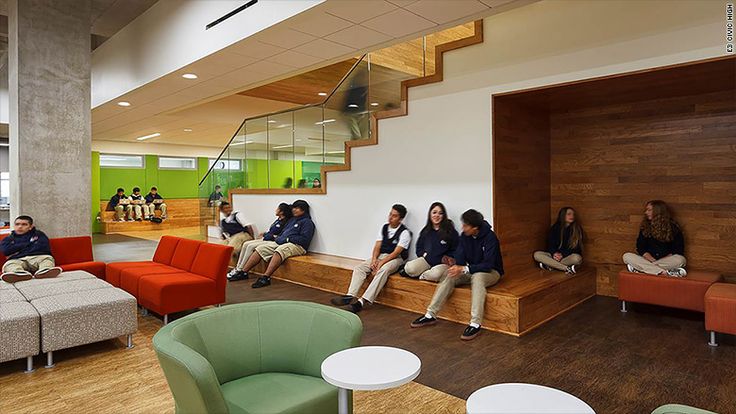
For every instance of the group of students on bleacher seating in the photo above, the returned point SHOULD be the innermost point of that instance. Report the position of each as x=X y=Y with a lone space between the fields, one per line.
x=472 y=257
x=137 y=207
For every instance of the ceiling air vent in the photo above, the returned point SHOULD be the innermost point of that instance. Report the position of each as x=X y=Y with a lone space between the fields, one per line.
x=231 y=14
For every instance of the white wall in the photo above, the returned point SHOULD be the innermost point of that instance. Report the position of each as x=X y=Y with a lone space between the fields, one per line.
x=442 y=149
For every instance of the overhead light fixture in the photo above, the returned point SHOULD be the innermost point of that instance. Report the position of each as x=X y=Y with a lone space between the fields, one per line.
x=326 y=121
x=241 y=143
x=189 y=76
x=282 y=146
x=322 y=94
x=352 y=105
x=374 y=103
x=145 y=137
x=335 y=152
x=123 y=103
x=271 y=121
x=187 y=129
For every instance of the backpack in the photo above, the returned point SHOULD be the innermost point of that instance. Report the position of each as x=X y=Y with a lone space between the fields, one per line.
x=156 y=220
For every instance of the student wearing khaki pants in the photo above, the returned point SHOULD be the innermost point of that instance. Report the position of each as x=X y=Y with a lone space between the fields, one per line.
x=564 y=244
x=660 y=246
x=29 y=253
x=389 y=252
x=479 y=264
x=435 y=247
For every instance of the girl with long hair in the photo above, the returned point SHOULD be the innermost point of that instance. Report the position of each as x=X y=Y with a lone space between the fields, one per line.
x=564 y=244
x=660 y=247
x=435 y=247
x=283 y=214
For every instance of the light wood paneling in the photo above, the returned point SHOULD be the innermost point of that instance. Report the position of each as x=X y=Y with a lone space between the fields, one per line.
x=521 y=301
x=184 y=212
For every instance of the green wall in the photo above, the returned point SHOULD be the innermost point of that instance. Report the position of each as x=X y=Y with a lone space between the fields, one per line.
x=95 y=191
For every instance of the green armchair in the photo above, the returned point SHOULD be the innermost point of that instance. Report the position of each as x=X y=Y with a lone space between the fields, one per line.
x=259 y=357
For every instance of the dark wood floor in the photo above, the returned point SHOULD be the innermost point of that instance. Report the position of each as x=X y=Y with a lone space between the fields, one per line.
x=617 y=363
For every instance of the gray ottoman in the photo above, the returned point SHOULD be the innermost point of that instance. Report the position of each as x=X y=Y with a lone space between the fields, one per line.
x=19 y=327
x=79 y=318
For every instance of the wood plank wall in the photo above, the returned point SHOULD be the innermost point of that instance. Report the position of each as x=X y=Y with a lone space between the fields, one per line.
x=521 y=179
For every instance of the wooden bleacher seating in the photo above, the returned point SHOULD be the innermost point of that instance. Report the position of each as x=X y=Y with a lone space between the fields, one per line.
x=524 y=298
x=182 y=212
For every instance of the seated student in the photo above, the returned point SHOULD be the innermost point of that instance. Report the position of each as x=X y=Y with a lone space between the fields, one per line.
x=660 y=246
x=564 y=244
x=236 y=229
x=294 y=240
x=116 y=204
x=155 y=202
x=137 y=209
x=435 y=246
x=28 y=252
x=479 y=264
x=216 y=197
x=283 y=214
x=389 y=253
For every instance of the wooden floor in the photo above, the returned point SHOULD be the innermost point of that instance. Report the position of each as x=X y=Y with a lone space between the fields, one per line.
x=525 y=298
x=617 y=363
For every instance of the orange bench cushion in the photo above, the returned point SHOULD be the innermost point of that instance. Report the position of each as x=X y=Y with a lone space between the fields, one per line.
x=720 y=308
x=96 y=268
x=683 y=293
x=113 y=270
x=130 y=278
x=170 y=293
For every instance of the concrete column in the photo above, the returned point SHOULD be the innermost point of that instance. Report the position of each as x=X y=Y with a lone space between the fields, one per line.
x=50 y=113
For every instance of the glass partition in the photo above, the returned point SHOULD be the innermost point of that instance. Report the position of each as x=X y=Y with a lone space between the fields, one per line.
x=309 y=148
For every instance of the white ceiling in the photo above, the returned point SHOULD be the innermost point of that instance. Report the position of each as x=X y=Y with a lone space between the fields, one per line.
x=331 y=31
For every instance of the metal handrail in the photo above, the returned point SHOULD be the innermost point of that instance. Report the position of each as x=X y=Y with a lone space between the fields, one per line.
x=282 y=111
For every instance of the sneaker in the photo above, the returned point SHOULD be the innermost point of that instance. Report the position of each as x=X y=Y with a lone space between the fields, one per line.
x=139 y=219
x=121 y=219
x=342 y=300
x=469 y=333
x=423 y=321
x=147 y=218
x=12 y=277
x=355 y=307
x=48 y=273
x=237 y=275
x=631 y=269
x=545 y=267
x=262 y=281
x=679 y=272
x=131 y=219
x=571 y=270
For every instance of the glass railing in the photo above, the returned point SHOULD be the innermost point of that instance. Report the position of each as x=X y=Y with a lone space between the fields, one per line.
x=285 y=151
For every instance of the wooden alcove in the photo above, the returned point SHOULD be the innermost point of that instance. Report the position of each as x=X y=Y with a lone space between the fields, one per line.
x=607 y=145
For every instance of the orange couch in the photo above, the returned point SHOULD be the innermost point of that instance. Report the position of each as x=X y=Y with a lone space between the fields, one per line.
x=720 y=310
x=683 y=293
x=184 y=274
x=71 y=253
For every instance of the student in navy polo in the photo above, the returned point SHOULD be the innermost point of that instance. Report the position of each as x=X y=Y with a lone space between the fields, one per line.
x=389 y=253
x=294 y=240
x=435 y=247
x=236 y=229
x=283 y=214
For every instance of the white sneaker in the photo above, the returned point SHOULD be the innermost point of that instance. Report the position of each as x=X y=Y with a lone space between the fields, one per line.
x=232 y=272
x=679 y=272
x=131 y=219
x=571 y=270
x=541 y=266
x=631 y=269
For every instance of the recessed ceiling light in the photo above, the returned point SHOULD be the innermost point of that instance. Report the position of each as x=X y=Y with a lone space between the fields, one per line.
x=124 y=103
x=145 y=137
x=282 y=146
x=326 y=121
x=352 y=105
x=189 y=76
x=187 y=129
x=241 y=143
x=374 y=103
x=322 y=94
x=271 y=121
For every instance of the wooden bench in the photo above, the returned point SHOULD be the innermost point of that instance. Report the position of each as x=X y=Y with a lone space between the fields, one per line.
x=182 y=212
x=524 y=299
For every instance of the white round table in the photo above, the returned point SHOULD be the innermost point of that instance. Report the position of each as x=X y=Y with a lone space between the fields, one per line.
x=369 y=368
x=516 y=398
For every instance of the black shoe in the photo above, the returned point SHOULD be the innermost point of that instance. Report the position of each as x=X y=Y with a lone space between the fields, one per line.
x=342 y=300
x=262 y=281
x=354 y=307
x=470 y=333
x=238 y=275
x=402 y=272
x=423 y=321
